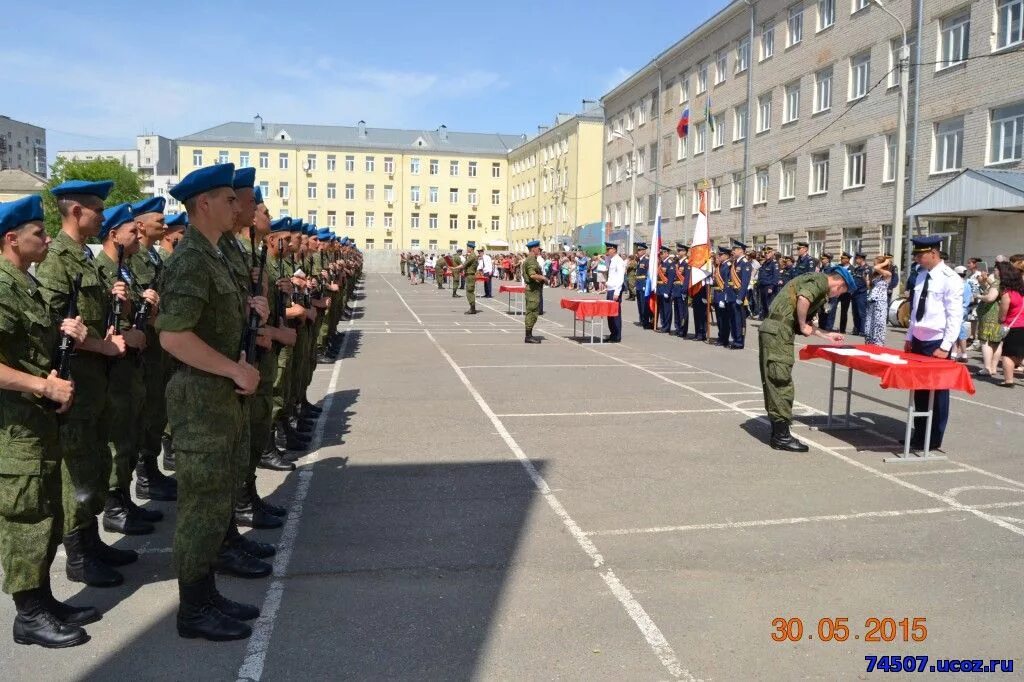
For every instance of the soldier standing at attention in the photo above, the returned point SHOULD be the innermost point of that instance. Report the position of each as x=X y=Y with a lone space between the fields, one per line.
x=456 y=262
x=861 y=272
x=534 y=278
x=174 y=228
x=742 y=272
x=616 y=276
x=791 y=313
x=201 y=322
x=804 y=263
x=666 y=276
x=767 y=280
x=85 y=467
x=631 y=277
x=681 y=291
x=642 y=265
x=468 y=269
x=723 y=295
x=30 y=487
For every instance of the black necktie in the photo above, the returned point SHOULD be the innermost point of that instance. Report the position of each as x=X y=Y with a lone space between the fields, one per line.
x=919 y=315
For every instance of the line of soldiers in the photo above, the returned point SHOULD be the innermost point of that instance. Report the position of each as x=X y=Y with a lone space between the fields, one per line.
x=163 y=340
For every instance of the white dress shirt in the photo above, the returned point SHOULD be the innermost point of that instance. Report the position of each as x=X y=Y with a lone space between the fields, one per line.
x=944 y=307
x=488 y=265
x=616 y=274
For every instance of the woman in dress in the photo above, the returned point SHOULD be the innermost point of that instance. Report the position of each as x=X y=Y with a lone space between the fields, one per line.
x=1011 y=314
x=878 y=301
x=988 y=324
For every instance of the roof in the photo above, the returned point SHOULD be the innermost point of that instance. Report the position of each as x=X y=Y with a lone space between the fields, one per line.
x=304 y=135
x=16 y=180
x=973 y=192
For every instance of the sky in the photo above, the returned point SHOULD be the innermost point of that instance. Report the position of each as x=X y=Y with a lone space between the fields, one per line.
x=97 y=75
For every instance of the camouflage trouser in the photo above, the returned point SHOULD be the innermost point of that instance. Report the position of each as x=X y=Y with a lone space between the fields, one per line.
x=471 y=289
x=154 y=418
x=283 y=383
x=206 y=417
x=775 y=352
x=126 y=395
x=301 y=360
x=532 y=309
x=85 y=470
x=439 y=277
x=260 y=410
x=31 y=518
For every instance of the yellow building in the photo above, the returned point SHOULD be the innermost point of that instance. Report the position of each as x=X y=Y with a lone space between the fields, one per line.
x=385 y=188
x=555 y=180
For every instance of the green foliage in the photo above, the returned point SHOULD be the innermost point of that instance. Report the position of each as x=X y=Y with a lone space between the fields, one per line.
x=127 y=184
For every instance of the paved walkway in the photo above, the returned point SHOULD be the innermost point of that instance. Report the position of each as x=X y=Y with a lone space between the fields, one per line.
x=479 y=508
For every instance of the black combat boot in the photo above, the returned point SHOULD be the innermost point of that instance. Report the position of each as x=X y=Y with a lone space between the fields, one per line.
x=272 y=509
x=311 y=409
x=151 y=483
x=66 y=613
x=148 y=515
x=472 y=309
x=530 y=338
x=260 y=550
x=36 y=624
x=237 y=562
x=283 y=437
x=85 y=567
x=231 y=609
x=167 y=449
x=199 y=618
x=302 y=427
x=248 y=515
x=782 y=439
x=273 y=460
x=118 y=518
x=111 y=556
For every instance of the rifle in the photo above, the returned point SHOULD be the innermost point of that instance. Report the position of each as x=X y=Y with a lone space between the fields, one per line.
x=142 y=314
x=116 y=307
x=253 y=326
x=295 y=292
x=279 y=301
x=66 y=347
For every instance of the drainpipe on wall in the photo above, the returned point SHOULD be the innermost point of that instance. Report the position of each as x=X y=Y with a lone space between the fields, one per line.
x=912 y=195
x=747 y=198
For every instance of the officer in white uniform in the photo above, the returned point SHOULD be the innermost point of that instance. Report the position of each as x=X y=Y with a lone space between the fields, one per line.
x=487 y=264
x=936 y=313
x=616 y=281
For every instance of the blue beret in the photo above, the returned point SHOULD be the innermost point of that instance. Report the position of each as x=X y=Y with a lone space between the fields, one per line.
x=149 y=205
x=203 y=180
x=611 y=245
x=640 y=245
x=173 y=221
x=258 y=195
x=533 y=243
x=323 y=234
x=244 y=177
x=470 y=245
x=310 y=230
x=738 y=244
x=97 y=189
x=295 y=225
x=14 y=214
x=115 y=216
x=281 y=225
x=847 y=277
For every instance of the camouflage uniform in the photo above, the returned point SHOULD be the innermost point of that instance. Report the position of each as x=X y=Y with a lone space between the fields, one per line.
x=240 y=266
x=456 y=276
x=261 y=403
x=30 y=494
x=201 y=295
x=85 y=467
x=147 y=265
x=533 y=291
x=285 y=366
x=470 y=272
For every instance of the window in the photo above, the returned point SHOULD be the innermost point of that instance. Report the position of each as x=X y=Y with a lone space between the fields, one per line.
x=641 y=114
x=369 y=219
x=350 y=219
x=858 y=5
x=702 y=78
x=350 y=192
x=453 y=222
x=243 y=160
x=453 y=195
x=860 y=74
x=370 y=191
x=282 y=161
x=761 y=186
x=652 y=208
x=311 y=191
x=680 y=148
x=666 y=150
x=856 y=165
x=197 y=157
x=738 y=189
x=434 y=167
x=739 y=127
x=332 y=219
x=948 y=145
x=641 y=160
x=472 y=169
x=889 y=167
x=629 y=119
x=720 y=66
x=826 y=13
x=350 y=163
x=414 y=166
x=415 y=243
x=265 y=188
x=695 y=198
x=472 y=197
x=895 y=45
x=1009 y=23
x=284 y=191
x=954 y=40
x=453 y=168
x=1007 y=134
x=311 y=162
x=311 y=217
x=786 y=244
x=684 y=86
x=389 y=193
x=495 y=197
x=496 y=169
x=764 y=113
x=389 y=165
x=370 y=164
x=815 y=242
x=369 y=245
x=768 y=40
x=608 y=174
x=716 y=195
x=414 y=221
x=414 y=193
x=680 y=202
x=791 y=111
x=819 y=173
x=264 y=159
x=495 y=223
x=652 y=158
x=887 y=238
x=743 y=55
x=852 y=239
x=389 y=220
x=795 y=25
x=471 y=222
x=222 y=157
x=432 y=195
x=717 y=132
x=432 y=221
x=699 y=138
x=823 y=90
x=332 y=162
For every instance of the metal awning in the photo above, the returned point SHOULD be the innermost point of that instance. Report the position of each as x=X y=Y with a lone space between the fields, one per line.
x=501 y=243
x=974 y=193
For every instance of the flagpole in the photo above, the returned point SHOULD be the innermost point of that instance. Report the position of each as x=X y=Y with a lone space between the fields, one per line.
x=707 y=184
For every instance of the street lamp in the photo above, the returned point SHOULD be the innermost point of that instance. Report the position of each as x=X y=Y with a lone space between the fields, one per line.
x=632 y=188
x=901 y=141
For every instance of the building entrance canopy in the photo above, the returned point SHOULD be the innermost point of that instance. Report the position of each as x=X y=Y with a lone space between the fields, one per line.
x=974 y=193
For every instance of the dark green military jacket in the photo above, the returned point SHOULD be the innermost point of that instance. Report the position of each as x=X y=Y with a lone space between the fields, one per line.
x=532 y=267
x=782 y=315
x=471 y=265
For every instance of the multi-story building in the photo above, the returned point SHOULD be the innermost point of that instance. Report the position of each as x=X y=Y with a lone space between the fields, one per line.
x=555 y=180
x=385 y=188
x=154 y=157
x=793 y=123
x=16 y=183
x=22 y=146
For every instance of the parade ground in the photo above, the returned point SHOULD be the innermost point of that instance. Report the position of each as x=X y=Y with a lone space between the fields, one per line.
x=479 y=508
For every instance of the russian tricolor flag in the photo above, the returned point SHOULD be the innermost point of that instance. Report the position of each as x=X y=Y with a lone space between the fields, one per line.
x=683 y=127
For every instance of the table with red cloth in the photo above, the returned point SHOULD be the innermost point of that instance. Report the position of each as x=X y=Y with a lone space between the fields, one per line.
x=898 y=370
x=519 y=291
x=592 y=311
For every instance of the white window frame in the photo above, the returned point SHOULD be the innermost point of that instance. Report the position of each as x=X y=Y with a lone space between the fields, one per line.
x=243 y=159
x=860 y=76
x=453 y=168
x=389 y=165
x=370 y=163
x=680 y=148
x=737 y=190
x=414 y=194
x=761 y=186
x=332 y=162
x=791 y=108
x=311 y=191
x=948 y=145
x=768 y=40
x=369 y=219
x=223 y=156
x=739 y=122
x=1006 y=121
x=350 y=192
x=496 y=169
x=954 y=40
x=371 y=192
x=853 y=239
x=282 y=161
x=858 y=5
x=495 y=197
x=264 y=160
x=332 y=190
x=743 y=55
x=856 y=165
x=715 y=194
x=1006 y=37
x=795 y=25
x=197 y=157
x=702 y=78
x=721 y=66
x=889 y=160
x=823 y=90
x=495 y=223
x=700 y=138
x=718 y=134
x=820 y=168
x=453 y=195
x=432 y=221
x=350 y=163
x=680 y=202
x=826 y=14
x=284 y=190
x=311 y=161
x=471 y=169
x=787 y=180
x=350 y=218
x=414 y=166
x=684 y=88
x=764 y=113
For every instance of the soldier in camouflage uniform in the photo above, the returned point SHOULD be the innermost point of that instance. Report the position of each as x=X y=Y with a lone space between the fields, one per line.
x=201 y=323
x=282 y=336
x=535 y=280
x=30 y=489
x=86 y=462
x=174 y=228
x=456 y=278
x=285 y=434
x=791 y=312
x=469 y=268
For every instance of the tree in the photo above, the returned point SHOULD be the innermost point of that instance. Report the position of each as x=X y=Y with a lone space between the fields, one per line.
x=127 y=184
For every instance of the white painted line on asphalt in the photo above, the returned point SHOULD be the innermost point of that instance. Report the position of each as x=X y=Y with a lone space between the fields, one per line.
x=760 y=523
x=251 y=669
x=530 y=366
x=655 y=639
x=933 y=471
x=620 y=412
x=736 y=393
x=411 y=311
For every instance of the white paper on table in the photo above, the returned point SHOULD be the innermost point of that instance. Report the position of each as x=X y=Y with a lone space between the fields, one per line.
x=887 y=357
x=847 y=351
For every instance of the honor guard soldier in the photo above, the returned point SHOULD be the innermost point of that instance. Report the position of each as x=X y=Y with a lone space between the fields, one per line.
x=616 y=281
x=535 y=279
x=32 y=395
x=861 y=272
x=202 y=319
x=767 y=280
x=742 y=272
x=467 y=269
x=721 y=294
x=791 y=313
x=681 y=291
x=666 y=276
x=643 y=262
x=804 y=263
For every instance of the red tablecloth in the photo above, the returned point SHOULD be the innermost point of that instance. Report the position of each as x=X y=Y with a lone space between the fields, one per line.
x=512 y=288
x=591 y=307
x=920 y=372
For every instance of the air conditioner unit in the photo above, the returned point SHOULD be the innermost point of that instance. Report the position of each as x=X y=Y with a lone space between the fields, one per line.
x=475 y=207
x=306 y=167
x=391 y=175
x=388 y=231
x=416 y=204
x=391 y=204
